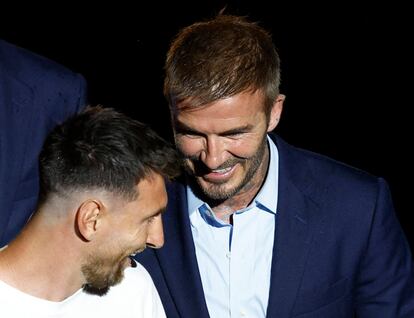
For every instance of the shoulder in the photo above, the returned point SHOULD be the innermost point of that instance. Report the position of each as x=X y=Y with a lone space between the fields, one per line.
x=320 y=166
x=53 y=89
x=328 y=180
x=31 y=68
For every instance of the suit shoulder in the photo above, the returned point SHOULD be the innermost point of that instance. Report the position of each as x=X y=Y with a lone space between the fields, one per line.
x=31 y=68
x=327 y=172
x=336 y=168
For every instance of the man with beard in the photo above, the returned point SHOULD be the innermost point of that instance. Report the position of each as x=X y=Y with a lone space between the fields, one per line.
x=102 y=193
x=258 y=228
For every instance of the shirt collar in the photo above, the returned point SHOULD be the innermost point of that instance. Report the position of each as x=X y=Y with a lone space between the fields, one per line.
x=267 y=197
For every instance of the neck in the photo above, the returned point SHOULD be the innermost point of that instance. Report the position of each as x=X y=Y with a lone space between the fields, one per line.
x=41 y=261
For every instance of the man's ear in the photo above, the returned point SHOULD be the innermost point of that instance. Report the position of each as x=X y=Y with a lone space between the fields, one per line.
x=88 y=218
x=276 y=112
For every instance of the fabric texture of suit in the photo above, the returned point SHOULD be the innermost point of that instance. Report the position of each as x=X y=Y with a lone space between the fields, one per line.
x=339 y=250
x=35 y=95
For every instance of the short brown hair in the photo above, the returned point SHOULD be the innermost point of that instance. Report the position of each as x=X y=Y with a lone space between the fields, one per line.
x=219 y=58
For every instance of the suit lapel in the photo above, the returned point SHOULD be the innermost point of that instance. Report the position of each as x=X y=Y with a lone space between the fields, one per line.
x=177 y=258
x=296 y=222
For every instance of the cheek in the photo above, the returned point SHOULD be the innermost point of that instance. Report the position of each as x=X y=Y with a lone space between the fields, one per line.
x=244 y=148
x=189 y=146
x=131 y=234
x=138 y=232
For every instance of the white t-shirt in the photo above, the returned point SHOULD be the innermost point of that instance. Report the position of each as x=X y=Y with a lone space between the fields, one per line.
x=135 y=297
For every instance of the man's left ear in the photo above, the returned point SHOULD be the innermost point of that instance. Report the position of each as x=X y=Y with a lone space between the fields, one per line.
x=88 y=218
x=276 y=112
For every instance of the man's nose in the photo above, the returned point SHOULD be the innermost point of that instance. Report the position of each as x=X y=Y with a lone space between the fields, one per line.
x=213 y=154
x=155 y=237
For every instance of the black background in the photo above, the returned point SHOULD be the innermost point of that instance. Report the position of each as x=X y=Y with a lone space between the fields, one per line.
x=346 y=70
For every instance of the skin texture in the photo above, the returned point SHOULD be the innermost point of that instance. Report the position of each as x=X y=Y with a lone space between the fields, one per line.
x=89 y=245
x=126 y=228
x=224 y=147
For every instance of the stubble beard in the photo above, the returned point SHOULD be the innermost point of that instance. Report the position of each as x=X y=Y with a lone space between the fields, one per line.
x=100 y=275
x=217 y=192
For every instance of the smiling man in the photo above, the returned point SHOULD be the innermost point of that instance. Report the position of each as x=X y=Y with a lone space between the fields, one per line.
x=101 y=200
x=259 y=228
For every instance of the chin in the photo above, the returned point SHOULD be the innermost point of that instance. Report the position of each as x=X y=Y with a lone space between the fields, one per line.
x=219 y=192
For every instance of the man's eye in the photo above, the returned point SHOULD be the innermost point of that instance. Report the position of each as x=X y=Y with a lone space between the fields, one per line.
x=234 y=134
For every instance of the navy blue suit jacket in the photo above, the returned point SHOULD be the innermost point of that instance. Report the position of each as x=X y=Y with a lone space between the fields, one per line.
x=35 y=95
x=339 y=250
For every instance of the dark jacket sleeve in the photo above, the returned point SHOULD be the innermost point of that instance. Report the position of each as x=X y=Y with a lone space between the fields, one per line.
x=35 y=94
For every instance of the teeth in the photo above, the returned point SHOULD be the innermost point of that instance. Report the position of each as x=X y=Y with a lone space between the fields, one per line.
x=222 y=170
x=137 y=252
x=133 y=254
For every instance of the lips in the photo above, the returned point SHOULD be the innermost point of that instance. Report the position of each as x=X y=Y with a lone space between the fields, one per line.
x=131 y=257
x=219 y=175
x=222 y=171
x=137 y=252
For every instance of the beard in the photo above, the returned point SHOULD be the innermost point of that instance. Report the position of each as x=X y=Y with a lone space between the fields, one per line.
x=102 y=273
x=216 y=193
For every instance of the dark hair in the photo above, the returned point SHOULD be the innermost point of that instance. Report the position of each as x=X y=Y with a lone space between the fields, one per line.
x=101 y=148
x=219 y=58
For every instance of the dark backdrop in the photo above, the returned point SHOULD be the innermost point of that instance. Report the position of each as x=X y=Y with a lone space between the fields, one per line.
x=346 y=70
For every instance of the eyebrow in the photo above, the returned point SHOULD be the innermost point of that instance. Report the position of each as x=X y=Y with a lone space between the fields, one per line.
x=181 y=127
